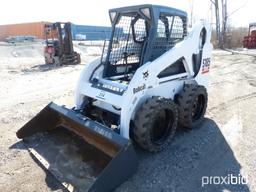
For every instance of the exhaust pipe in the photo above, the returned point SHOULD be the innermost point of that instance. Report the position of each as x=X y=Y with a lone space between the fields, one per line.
x=82 y=154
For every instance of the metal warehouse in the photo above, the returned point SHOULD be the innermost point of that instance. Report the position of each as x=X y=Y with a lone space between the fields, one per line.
x=90 y=32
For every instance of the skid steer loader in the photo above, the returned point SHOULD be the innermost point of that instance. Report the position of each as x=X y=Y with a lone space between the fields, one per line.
x=153 y=77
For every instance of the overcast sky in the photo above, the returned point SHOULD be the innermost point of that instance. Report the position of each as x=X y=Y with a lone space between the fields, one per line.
x=95 y=12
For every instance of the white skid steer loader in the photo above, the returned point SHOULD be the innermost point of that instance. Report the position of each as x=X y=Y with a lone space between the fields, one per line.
x=153 y=77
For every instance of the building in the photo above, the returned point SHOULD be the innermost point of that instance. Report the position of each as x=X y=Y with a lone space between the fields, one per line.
x=79 y=32
x=24 y=29
x=90 y=32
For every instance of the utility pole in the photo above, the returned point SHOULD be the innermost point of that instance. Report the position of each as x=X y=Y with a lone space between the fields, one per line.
x=217 y=16
x=191 y=6
x=224 y=22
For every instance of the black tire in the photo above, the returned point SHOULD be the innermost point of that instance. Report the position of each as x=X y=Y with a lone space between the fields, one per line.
x=155 y=124
x=192 y=104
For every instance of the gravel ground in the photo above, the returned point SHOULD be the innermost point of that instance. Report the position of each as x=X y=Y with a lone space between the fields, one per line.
x=223 y=146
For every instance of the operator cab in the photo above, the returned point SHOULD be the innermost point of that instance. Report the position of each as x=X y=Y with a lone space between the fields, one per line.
x=140 y=34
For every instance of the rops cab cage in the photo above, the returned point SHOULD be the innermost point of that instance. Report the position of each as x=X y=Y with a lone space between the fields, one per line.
x=141 y=34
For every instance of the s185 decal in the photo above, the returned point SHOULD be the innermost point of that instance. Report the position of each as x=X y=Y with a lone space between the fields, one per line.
x=206 y=65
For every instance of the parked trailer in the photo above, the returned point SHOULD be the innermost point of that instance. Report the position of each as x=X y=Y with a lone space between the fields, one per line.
x=35 y=29
x=250 y=40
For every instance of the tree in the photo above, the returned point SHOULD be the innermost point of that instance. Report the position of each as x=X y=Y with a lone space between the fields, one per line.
x=222 y=33
x=225 y=17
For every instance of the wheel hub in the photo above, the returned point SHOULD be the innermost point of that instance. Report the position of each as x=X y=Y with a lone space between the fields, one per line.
x=198 y=107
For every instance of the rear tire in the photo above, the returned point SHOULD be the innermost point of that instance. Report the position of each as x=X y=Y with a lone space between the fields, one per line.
x=192 y=104
x=155 y=124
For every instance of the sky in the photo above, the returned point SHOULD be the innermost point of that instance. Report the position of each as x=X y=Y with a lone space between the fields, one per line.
x=95 y=12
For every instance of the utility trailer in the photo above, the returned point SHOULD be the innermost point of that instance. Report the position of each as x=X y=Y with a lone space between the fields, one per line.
x=249 y=41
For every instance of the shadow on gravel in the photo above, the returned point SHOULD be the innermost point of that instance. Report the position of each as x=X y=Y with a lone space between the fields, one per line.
x=39 y=68
x=194 y=155
x=44 y=68
x=19 y=145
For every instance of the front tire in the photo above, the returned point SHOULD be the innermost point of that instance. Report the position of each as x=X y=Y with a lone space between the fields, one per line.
x=155 y=124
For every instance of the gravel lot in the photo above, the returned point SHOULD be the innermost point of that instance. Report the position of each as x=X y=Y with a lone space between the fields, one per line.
x=222 y=146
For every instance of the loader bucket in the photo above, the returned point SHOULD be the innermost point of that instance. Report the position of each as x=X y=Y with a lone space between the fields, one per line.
x=82 y=154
